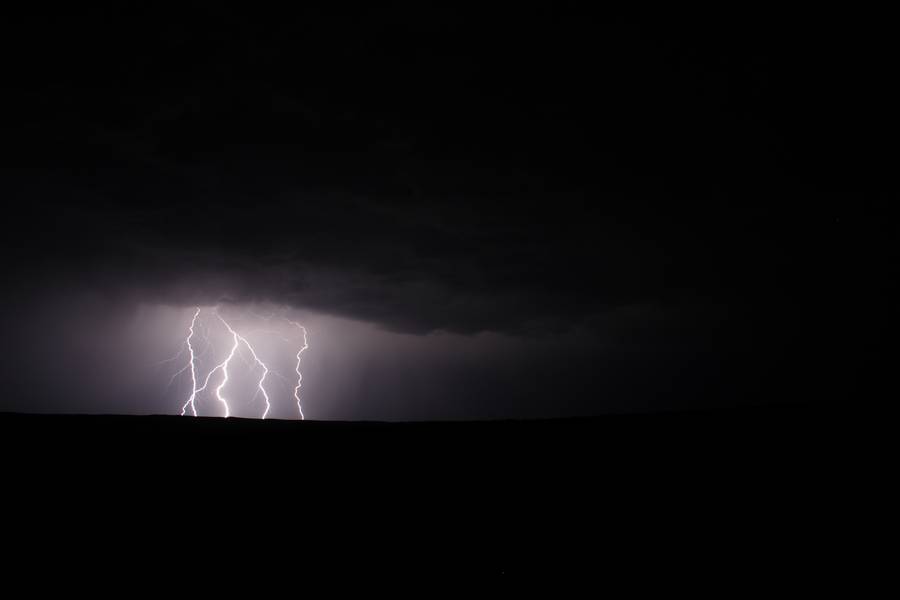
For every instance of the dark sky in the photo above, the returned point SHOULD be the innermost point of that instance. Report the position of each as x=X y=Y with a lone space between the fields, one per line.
x=662 y=210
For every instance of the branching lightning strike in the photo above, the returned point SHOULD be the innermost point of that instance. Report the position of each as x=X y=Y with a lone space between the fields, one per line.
x=190 y=400
x=237 y=341
x=297 y=368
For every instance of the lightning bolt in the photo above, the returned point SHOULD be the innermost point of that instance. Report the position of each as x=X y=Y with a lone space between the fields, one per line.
x=187 y=342
x=299 y=352
x=223 y=366
x=191 y=362
x=297 y=368
x=197 y=326
x=239 y=338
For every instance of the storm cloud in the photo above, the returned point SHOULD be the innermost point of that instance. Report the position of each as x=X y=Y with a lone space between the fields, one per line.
x=644 y=186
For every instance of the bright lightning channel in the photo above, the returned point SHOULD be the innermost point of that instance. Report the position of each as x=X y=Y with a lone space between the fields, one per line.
x=224 y=366
x=238 y=339
x=297 y=368
x=190 y=400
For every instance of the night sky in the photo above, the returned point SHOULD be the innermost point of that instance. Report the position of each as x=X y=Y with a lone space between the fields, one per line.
x=477 y=214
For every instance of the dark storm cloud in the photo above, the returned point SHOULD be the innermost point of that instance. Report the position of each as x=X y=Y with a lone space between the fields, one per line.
x=672 y=181
x=466 y=185
x=356 y=257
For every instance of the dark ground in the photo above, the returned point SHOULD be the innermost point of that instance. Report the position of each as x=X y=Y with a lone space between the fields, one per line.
x=767 y=489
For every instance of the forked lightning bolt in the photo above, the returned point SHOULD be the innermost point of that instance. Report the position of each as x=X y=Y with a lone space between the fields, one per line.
x=190 y=400
x=297 y=368
x=265 y=371
x=237 y=340
x=224 y=366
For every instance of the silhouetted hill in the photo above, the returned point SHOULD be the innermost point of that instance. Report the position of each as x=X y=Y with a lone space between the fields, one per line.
x=699 y=443
x=702 y=438
x=492 y=494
